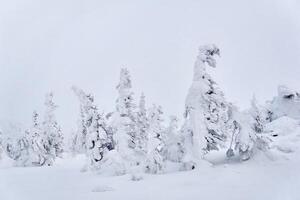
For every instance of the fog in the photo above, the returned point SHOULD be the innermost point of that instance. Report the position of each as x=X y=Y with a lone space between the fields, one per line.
x=52 y=45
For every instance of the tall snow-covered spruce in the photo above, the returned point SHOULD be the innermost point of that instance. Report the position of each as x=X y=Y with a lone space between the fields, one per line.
x=79 y=137
x=206 y=110
x=141 y=127
x=124 y=121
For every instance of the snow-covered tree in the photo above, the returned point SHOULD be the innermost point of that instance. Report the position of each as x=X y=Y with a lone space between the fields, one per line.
x=10 y=148
x=52 y=131
x=39 y=144
x=124 y=120
x=126 y=107
x=174 y=146
x=246 y=138
x=242 y=134
x=41 y=151
x=97 y=139
x=206 y=109
x=24 y=157
x=141 y=126
x=79 y=137
x=155 y=161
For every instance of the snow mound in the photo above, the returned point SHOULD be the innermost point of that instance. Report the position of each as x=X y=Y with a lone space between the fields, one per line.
x=136 y=177
x=6 y=162
x=113 y=164
x=286 y=103
x=285 y=134
x=282 y=126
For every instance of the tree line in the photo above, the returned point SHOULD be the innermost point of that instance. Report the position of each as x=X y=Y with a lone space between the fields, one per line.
x=135 y=138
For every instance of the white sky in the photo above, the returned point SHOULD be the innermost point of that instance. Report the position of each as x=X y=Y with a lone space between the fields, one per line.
x=52 y=45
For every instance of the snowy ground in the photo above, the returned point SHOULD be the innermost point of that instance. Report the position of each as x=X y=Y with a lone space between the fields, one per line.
x=255 y=179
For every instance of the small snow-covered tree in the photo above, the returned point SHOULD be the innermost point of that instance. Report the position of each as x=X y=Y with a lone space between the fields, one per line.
x=206 y=109
x=257 y=115
x=260 y=117
x=243 y=135
x=23 y=149
x=155 y=161
x=53 y=137
x=245 y=139
x=41 y=149
x=11 y=149
x=36 y=137
x=174 y=146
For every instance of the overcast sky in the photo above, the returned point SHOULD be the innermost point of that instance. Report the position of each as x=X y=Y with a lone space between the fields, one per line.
x=52 y=45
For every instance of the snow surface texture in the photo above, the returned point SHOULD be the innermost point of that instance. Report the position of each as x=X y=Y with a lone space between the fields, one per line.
x=258 y=179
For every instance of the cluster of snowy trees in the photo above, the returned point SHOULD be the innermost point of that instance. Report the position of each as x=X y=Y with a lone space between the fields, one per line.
x=136 y=138
x=41 y=143
x=130 y=138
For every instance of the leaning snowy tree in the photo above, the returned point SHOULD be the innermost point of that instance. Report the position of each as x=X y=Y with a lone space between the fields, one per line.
x=206 y=109
x=155 y=160
x=95 y=136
